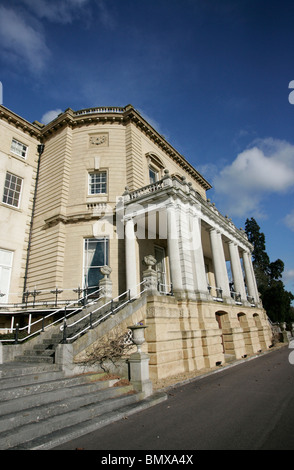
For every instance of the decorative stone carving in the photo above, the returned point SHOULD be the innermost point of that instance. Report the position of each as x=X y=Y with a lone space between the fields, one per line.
x=105 y=284
x=106 y=271
x=149 y=261
x=138 y=336
x=100 y=140
x=150 y=275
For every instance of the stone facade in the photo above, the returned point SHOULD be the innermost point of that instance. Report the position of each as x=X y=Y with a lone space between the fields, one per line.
x=18 y=167
x=107 y=189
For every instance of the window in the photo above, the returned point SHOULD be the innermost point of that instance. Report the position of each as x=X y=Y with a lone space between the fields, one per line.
x=18 y=148
x=153 y=175
x=98 y=182
x=95 y=256
x=155 y=167
x=12 y=190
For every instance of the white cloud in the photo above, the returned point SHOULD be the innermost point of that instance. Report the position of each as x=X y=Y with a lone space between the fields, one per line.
x=106 y=18
x=289 y=220
x=50 y=115
x=21 y=43
x=265 y=168
x=23 y=27
x=288 y=279
x=57 y=11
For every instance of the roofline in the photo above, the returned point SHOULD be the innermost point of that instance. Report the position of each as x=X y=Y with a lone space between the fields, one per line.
x=34 y=129
x=123 y=115
x=104 y=114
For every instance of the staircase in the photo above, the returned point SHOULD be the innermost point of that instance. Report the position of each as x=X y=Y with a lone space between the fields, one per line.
x=45 y=350
x=41 y=408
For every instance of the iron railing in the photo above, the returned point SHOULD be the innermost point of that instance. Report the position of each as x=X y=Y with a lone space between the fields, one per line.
x=106 y=310
x=34 y=293
x=25 y=331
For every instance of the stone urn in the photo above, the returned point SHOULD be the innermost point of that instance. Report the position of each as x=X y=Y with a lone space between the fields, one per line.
x=106 y=271
x=138 y=335
x=149 y=261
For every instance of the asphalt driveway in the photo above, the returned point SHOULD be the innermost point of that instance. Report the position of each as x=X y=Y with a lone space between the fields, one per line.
x=245 y=407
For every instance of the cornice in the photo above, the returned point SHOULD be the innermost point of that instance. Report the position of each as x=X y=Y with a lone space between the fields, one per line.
x=102 y=115
x=112 y=115
x=13 y=119
x=133 y=115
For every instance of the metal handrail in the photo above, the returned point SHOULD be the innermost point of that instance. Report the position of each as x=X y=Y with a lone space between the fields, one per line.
x=92 y=323
x=43 y=327
x=35 y=292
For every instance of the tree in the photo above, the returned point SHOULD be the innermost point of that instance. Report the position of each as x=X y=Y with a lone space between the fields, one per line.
x=260 y=258
x=276 y=300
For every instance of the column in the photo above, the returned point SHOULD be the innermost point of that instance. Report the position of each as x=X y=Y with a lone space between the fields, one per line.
x=250 y=277
x=173 y=250
x=239 y=285
x=254 y=279
x=131 y=259
x=198 y=258
x=220 y=269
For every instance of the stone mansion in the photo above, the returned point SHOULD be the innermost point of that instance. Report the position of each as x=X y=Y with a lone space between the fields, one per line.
x=101 y=187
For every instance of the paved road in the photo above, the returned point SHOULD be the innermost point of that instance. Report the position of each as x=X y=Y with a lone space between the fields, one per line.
x=246 y=407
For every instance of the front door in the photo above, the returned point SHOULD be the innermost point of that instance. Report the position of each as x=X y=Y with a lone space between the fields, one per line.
x=5 y=273
x=95 y=256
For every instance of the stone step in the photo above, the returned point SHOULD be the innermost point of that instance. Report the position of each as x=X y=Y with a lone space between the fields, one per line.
x=9 y=381
x=35 y=358
x=18 y=436
x=54 y=395
x=15 y=419
x=47 y=385
x=125 y=406
x=39 y=352
x=19 y=369
x=39 y=400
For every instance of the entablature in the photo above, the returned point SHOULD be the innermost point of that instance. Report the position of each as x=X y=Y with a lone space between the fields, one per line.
x=156 y=195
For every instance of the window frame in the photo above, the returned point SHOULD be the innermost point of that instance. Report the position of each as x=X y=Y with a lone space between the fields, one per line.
x=156 y=174
x=8 y=189
x=98 y=183
x=86 y=266
x=13 y=149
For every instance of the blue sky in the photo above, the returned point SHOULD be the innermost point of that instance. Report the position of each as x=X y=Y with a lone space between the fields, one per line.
x=212 y=76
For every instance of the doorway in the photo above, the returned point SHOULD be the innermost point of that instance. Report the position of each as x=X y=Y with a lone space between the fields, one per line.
x=160 y=268
x=5 y=274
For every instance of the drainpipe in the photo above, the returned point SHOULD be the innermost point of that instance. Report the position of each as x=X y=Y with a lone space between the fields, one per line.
x=40 y=148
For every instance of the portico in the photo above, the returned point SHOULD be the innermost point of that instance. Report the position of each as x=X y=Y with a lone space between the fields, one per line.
x=200 y=243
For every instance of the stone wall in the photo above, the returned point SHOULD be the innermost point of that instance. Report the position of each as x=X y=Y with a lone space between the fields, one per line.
x=183 y=336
